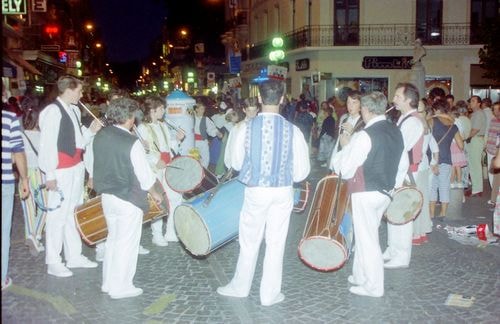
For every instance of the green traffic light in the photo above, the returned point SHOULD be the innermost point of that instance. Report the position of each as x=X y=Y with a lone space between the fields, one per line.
x=277 y=42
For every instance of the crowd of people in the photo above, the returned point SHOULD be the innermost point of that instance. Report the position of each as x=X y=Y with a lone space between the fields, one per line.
x=434 y=144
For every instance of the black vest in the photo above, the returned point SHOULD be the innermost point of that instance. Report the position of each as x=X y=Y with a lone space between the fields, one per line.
x=66 y=142
x=378 y=172
x=113 y=170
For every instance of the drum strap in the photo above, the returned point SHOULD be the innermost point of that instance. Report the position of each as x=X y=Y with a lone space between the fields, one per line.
x=385 y=193
x=155 y=138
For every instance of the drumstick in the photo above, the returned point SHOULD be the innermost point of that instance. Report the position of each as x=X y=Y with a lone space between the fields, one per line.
x=391 y=108
x=91 y=114
x=140 y=138
x=174 y=126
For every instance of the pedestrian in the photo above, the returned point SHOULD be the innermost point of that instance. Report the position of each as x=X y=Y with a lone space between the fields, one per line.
x=475 y=145
x=163 y=147
x=370 y=160
x=122 y=176
x=411 y=124
x=326 y=135
x=12 y=152
x=62 y=142
x=34 y=216
x=271 y=154
x=444 y=131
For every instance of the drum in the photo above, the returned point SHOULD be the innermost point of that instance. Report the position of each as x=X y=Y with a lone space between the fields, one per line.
x=184 y=174
x=91 y=224
x=301 y=196
x=405 y=206
x=208 y=182
x=203 y=227
x=327 y=238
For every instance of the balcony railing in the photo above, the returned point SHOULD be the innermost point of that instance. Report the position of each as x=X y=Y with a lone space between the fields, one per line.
x=371 y=35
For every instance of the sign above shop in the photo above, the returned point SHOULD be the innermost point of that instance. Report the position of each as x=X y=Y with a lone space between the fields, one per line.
x=302 y=65
x=13 y=7
x=387 y=62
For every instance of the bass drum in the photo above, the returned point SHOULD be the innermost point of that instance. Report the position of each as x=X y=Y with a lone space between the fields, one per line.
x=208 y=222
x=405 y=206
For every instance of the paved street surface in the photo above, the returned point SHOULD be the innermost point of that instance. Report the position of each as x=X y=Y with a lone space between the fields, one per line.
x=181 y=289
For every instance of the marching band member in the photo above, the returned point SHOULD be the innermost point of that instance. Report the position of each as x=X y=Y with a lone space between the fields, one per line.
x=271 y=154
x=62 y=142
x=122 y=175
x=161 y=148
x=399 y=237
x=370 y=160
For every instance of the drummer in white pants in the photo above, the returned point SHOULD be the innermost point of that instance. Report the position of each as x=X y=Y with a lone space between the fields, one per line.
x=162 y=146
x=370 y=161
x=399 y=237
x=122 y=175
x=203 y=127
x=268 y=171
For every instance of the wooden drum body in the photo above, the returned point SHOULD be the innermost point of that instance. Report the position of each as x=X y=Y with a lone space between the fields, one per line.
x=327 y=238
x=91 y=224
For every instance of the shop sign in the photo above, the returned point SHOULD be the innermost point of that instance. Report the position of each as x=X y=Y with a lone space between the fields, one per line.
x=13 y=7
x=302 y=65
x=39 y=5
x=387 y=62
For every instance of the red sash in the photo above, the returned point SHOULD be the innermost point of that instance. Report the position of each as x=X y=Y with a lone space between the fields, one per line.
x=67 y=161
x=198 y=137
x=165 y=157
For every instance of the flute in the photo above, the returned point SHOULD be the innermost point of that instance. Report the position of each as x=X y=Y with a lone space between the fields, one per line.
x=91 y=114
x=391 y=108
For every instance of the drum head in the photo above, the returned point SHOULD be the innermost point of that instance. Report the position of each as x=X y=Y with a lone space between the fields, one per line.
x=184 y=174
x=322 y=254
x=192 y=230
x=405 y=206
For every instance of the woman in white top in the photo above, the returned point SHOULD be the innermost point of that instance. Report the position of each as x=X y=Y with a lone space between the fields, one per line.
x=34 y=217
x=350 y=122
x=161 y=148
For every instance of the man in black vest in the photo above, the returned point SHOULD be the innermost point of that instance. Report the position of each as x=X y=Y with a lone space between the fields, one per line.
x=370 y=160
x=63 y=140
x=123 y=176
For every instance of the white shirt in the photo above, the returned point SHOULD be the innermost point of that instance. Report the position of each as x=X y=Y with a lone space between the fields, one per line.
x=161 y=140
x=354 y=154
x=211 y=129
x=49 y=122
x=300 y=151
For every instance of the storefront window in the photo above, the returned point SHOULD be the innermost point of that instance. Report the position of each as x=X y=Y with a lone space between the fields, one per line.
x=364 y=85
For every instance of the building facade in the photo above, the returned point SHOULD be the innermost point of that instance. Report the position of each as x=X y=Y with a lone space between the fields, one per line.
x=334 y=46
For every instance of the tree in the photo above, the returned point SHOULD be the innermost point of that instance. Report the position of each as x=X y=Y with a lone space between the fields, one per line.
x=489 y=55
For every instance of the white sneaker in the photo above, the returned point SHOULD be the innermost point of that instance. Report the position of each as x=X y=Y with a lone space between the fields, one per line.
x=229 y=291
x=171 y=238
x=359 y=290
x=143 y=250
x=58 y=270
x=81 y=262
x=278 y=299
x=134 y=292
x=99 y=254
x=453 y=185
x=159 y=240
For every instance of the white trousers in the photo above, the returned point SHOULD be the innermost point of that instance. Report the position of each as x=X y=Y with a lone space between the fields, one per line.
x=476 y=147
x=60 y=230
x=204 y=152
x=265 y=213
x=124 y=222
x=368 y=266
x=423 y=223
x=174 y=199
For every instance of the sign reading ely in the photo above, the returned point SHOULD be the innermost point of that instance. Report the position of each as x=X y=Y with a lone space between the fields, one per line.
x=13 y=7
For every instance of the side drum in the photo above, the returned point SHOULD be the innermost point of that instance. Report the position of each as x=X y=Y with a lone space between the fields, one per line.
x=204 y=225
x=91 y=224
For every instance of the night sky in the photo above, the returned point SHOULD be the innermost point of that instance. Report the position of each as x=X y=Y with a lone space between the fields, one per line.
x=129 y=27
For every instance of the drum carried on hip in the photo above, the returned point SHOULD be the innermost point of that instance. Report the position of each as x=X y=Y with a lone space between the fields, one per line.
x=327 y=238
x=91 y=224
x=210 y=221
x=405 y=206
x=208 y=182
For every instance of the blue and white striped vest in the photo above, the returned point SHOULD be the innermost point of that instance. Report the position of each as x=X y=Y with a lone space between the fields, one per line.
x=268 y=158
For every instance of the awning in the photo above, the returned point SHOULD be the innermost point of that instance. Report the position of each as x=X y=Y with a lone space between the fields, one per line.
x=18 y=59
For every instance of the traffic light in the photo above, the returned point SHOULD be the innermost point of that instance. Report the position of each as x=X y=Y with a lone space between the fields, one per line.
x=277 y=52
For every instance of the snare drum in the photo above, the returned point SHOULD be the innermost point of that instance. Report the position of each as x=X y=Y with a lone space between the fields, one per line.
x=91 y=224
x=301 y=196
x=405 y=206
x=327 y=238
x=203 y=228
x=184 y=174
